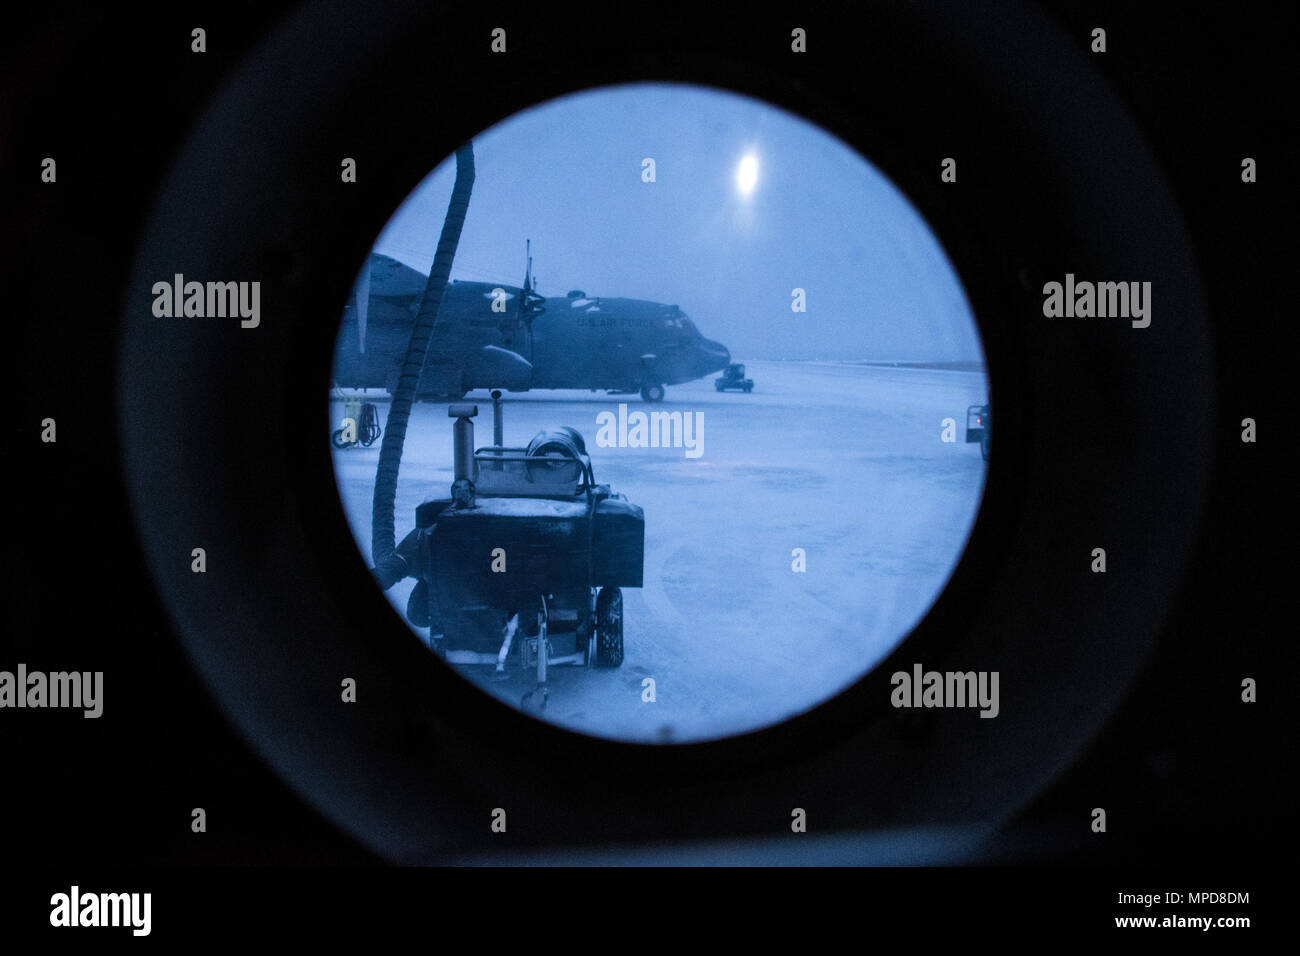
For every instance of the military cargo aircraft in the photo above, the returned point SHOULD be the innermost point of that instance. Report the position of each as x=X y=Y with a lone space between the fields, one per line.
x=499 y=336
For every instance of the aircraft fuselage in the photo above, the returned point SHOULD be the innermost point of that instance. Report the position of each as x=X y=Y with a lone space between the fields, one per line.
x=483 y=339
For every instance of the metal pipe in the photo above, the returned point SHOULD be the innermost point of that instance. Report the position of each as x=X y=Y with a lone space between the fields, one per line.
x=511 y=626
x=541 y=644
x=462 y=487
x=464 y=458
x=498 y=428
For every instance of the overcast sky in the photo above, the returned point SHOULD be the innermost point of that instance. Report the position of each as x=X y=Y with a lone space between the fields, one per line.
x=568 y=175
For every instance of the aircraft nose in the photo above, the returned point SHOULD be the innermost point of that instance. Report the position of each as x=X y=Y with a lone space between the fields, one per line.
x=714 y=354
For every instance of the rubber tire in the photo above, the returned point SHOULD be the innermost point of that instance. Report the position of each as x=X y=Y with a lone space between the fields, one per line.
x=609 y=627
x=748 y=389
x=334 y=439
x=652 y=393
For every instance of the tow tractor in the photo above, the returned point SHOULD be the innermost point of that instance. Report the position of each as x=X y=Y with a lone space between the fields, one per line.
x=734 y=377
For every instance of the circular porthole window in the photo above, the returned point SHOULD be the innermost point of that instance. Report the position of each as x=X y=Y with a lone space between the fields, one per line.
x=703 y=422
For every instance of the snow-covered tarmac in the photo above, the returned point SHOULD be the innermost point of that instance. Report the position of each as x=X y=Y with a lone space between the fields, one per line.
x=842 y=460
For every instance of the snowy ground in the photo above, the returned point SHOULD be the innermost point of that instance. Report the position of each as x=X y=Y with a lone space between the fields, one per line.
x=842 y=460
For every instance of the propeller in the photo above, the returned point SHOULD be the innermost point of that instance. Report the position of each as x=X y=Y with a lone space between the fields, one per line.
x=530 y=303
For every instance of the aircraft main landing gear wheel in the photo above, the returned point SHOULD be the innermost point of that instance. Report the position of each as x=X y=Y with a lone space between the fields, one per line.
x=652 y=393
x=609 y=627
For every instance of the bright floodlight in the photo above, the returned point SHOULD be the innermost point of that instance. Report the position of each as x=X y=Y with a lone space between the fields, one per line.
x=747 y=175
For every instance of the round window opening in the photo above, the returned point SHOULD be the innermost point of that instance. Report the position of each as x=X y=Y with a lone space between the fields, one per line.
x=740 y=425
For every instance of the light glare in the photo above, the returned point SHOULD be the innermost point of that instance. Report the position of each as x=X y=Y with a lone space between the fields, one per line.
x=747 y=174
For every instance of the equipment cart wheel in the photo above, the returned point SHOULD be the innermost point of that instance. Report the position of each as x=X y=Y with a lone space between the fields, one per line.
x=652 y=393
x=609 y=627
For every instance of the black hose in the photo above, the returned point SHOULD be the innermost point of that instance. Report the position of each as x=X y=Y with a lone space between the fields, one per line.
x=368 y=430
x=390 y=566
